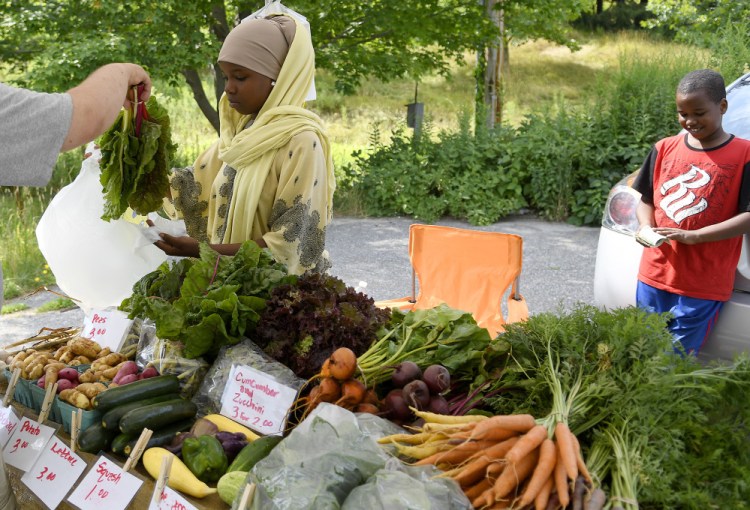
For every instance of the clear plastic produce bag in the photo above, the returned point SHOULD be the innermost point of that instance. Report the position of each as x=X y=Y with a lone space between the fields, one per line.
x=94 y=261
x=208 y=398
x=166 y=357
x=402 y=487
x=321 y=461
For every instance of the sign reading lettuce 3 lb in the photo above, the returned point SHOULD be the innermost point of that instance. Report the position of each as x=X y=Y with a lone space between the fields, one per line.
x=136 y=155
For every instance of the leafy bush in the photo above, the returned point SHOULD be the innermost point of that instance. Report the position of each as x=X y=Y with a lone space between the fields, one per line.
x=560 y=162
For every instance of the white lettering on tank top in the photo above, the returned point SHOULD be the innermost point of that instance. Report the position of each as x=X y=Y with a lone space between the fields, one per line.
x=679 y=201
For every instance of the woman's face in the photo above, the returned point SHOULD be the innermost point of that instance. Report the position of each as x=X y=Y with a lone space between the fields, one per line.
x=246 y=90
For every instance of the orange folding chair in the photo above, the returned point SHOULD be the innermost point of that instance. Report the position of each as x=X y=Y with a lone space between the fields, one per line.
x=468 y=270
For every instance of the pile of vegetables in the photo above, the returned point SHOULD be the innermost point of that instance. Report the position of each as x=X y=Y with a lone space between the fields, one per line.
x=652 y=424
x=506 y=461
x=153 y=403
x=136 y=155
x=305 y=320
x=209 y=302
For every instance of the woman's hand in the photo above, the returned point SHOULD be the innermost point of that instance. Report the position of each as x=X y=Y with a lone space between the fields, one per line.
x=183 y=246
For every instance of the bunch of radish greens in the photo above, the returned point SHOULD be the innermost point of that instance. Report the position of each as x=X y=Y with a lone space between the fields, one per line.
x=658 y=430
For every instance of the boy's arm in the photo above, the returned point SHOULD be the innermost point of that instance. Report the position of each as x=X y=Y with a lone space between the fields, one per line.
x=734 y=226
x=645 y=214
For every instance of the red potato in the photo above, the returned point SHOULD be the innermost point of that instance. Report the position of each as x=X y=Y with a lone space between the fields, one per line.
x=148 y=373
x=70 y=374
x=128 y=368
x=65 y=384
x=40 y=382
x=127 y=379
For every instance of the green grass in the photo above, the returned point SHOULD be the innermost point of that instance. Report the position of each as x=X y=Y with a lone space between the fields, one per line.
x=56 y=304
x=13 y=308
x=540 y=74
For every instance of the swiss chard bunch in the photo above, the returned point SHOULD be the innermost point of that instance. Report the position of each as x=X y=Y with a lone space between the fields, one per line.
x=136 y=155
x=305 y=321
x=209 y=302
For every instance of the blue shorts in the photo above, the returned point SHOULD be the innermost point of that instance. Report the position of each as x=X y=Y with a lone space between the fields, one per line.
x=692 y=319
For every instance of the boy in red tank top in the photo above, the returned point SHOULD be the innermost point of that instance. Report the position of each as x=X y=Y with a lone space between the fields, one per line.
x=695 y=190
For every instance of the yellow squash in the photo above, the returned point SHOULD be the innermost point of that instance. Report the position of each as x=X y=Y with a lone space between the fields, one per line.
x=180 y=477
x=228 y=425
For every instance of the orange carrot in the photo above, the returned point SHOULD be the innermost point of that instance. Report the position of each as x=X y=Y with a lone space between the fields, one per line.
x=457 y=454
x=478 y=488
x=542 y=472
x=579 y=460
x=485 y=499
x=514 y=422
x=471 y=473
x=497 y=450
x=566 y=449
x=515 y=473
x=561 y=483
x=541 y=500
x=494 y=470
x=526 y=443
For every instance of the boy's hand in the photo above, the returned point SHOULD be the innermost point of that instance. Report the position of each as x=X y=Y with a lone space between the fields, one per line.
x=679 y=235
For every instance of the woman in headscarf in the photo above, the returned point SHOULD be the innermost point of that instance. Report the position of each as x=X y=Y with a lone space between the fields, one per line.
x=269 y=177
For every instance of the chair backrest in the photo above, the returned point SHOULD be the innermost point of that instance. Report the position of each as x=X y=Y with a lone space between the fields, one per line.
x=467 y=269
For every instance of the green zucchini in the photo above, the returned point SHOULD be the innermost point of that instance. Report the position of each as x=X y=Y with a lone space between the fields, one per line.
x=95 y=438
x=120 y=441
x=253 y=452
x=136 y=391
x=111 y=419
x=123 y=444
x=156 y=416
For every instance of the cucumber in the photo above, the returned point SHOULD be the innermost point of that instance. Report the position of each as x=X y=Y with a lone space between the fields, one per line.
x=156 y=416
x=253 y=452
x=136 y=391
x=111 y=419
x=95 y=438
x=123 y=444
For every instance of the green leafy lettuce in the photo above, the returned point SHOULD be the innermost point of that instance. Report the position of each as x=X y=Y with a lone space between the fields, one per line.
x=209 y=302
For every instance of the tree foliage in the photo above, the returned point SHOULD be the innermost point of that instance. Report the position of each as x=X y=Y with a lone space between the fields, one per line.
x=55 y=44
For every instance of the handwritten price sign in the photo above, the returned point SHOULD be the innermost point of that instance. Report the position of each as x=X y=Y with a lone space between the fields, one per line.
x=9 y=421
x=170 y=500
x=106 y=485
x=26 y=444
x=257 y=400
x=106 y=327
x=54 y=473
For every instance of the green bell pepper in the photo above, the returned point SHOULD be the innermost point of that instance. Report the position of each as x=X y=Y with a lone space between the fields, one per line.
x=205 y=457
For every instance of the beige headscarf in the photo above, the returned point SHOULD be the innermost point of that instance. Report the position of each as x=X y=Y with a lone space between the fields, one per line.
x=251 y=151
x=260 y=44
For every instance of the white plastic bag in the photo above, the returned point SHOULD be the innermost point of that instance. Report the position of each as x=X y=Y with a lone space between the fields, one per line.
x=94 y=261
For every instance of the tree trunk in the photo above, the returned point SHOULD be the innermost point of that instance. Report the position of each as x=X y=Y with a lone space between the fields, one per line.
x=194 y=81
x=599 y=6
x=495 y=62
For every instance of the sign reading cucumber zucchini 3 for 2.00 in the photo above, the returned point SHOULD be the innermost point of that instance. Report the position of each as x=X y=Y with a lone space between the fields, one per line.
x=257 y=400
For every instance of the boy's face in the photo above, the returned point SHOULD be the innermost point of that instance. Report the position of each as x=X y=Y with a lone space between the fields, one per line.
x=700 y=116
x=246 y=90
